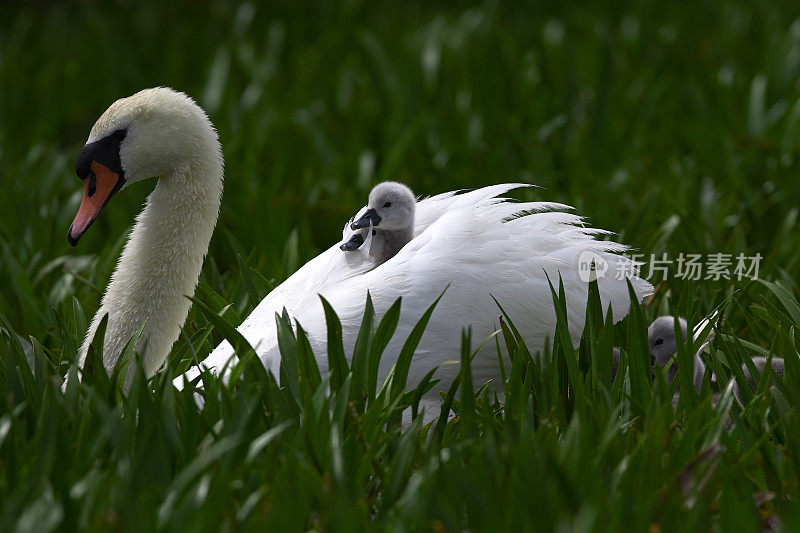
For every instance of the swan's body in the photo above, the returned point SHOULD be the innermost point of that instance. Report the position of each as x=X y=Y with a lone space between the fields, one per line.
x=386 y=223
x=470 y=244
x=166 y=135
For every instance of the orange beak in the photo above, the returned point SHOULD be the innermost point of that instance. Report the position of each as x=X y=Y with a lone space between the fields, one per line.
x=98 y=189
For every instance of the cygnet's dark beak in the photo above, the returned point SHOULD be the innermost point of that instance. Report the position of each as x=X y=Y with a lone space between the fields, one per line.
x=370 y=217
x=354 y=243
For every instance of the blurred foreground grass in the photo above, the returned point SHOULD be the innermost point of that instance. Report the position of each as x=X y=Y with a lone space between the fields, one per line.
x=675 y=125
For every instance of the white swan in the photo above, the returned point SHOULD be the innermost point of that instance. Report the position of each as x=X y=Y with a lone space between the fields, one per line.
x=473 y=242
x=388 y=219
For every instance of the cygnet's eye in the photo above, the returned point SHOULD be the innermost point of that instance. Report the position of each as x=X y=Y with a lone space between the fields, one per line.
x=658 y=342
x=387 y=204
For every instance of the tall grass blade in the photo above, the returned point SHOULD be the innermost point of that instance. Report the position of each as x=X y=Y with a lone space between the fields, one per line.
x=337 y=363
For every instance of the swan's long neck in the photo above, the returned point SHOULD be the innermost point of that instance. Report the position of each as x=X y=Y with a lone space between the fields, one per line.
x=161 y=262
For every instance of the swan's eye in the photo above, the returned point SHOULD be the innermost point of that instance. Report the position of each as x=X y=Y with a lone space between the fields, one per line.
x=387 y=204
x=119 y=134
x=658 y=342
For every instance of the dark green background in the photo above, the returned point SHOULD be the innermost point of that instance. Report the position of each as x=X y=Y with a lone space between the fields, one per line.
x=674 y=124
x=631 y=113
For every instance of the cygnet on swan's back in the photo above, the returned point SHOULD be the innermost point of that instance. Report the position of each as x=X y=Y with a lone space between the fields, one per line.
x=390 y=215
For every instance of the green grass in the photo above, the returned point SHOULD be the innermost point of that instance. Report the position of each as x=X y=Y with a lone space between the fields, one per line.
x=675 y=125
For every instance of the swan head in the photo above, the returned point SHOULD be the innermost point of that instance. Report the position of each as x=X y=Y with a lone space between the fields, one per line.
x=661 y=338
x=149 y=134
x=390 y=208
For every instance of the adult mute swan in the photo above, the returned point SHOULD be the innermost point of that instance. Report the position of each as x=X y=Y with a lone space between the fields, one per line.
x=388 y=219
x=475 y=244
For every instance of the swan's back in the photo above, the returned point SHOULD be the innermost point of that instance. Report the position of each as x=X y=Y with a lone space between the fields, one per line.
x=480 y=247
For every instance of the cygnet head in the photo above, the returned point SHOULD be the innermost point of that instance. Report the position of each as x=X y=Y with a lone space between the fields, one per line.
x=152 y=133
x=661 y=338
x=390 y=208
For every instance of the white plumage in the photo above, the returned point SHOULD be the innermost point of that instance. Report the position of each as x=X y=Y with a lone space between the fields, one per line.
x=473 y=245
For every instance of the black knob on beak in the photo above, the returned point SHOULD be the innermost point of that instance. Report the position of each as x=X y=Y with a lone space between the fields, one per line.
x=370 y=217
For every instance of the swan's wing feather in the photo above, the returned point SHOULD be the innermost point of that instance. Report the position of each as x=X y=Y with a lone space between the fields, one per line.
x=430 y=209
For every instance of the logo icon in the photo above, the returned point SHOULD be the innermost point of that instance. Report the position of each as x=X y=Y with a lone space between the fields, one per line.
x=591 y=266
